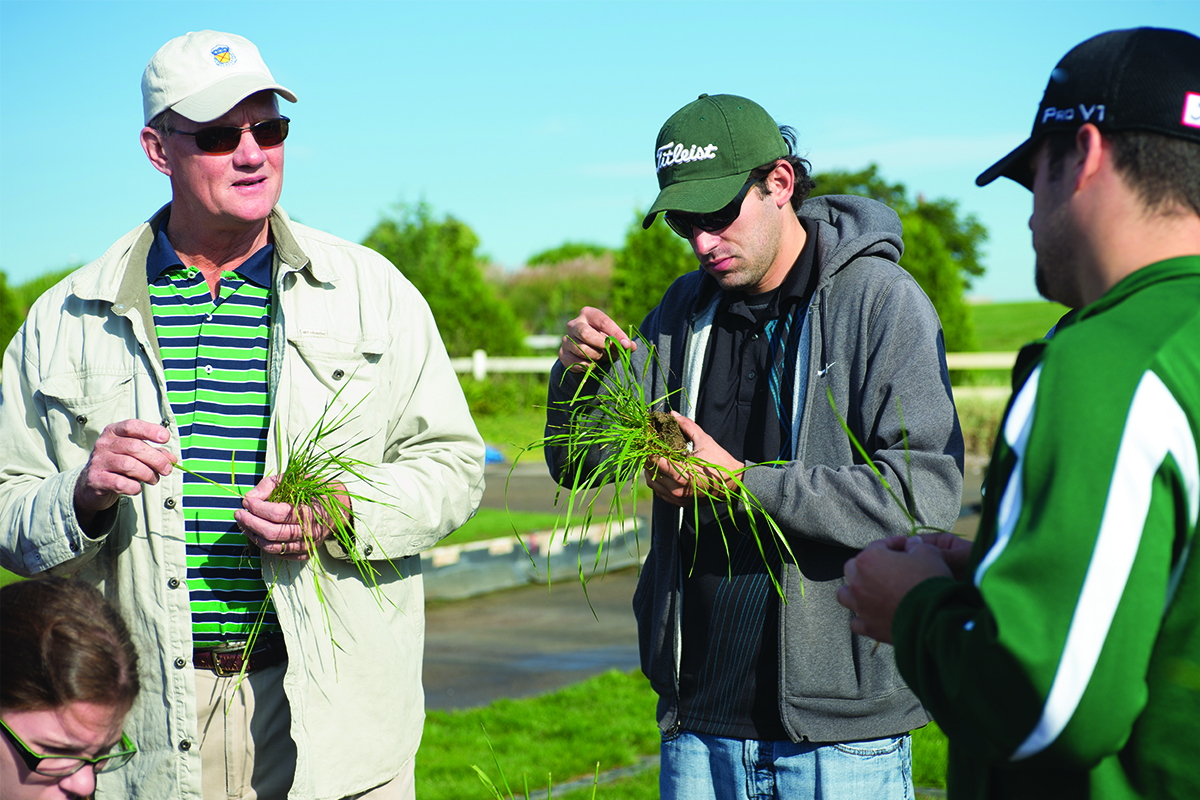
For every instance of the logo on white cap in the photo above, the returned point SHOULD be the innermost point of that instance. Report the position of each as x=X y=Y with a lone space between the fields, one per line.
x=223 y=56
x=1191 y=110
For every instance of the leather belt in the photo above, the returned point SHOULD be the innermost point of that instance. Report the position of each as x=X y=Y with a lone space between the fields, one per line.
x=228 y=660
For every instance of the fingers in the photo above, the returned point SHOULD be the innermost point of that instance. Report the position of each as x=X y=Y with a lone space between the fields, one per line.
x=284 y=530
x=125 y=456
x=264 y=488
x=668 y=483
x=897 y=542
x=587 y=340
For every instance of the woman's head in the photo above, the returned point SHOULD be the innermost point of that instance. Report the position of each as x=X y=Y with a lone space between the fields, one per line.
x=63 y=643
x=70 y=674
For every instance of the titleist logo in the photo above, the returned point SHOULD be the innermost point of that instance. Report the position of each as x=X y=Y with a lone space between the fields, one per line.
x=671 y=153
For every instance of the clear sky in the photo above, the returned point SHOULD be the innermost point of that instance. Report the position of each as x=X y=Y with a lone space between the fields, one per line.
x=534 y=122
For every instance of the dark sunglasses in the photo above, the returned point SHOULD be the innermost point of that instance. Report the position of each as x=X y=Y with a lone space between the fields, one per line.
x=62 y=766
x=683 y=222
x=225 y=139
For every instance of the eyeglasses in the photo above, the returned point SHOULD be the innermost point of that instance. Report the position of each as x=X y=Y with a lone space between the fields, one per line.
x=682 y=222
x=62 y=766
x=225 y=139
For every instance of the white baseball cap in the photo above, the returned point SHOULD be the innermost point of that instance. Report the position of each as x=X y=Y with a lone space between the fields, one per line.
x=203 y=74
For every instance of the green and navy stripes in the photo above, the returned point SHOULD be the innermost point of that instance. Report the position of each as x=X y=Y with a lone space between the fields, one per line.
x=214 y=355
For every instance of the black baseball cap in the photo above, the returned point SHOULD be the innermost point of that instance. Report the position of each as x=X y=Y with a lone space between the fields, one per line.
x=1144 y=79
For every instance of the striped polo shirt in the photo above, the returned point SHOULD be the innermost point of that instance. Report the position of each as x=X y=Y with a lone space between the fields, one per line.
x=214 y=355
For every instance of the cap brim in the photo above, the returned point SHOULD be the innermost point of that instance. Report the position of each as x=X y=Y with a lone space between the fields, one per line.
x=216 y=100
x=696 y=196
x=1014 y=166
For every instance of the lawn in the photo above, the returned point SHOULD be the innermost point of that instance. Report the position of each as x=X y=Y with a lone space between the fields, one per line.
x=1005 y=327
x=493 y=523
x=558 y=735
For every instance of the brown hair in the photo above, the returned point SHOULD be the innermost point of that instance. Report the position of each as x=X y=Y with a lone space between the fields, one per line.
x=1163 y=170
x=61 y=642
x=800 y=166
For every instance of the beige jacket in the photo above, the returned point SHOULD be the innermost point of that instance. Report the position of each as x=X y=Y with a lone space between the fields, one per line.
x=87 y=356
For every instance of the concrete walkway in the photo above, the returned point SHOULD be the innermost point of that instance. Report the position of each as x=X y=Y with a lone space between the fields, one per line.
x=532 y=639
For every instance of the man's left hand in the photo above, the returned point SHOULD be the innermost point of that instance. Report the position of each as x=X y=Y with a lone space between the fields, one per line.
x=878 y=578
x=680 y=487
x=276 y=528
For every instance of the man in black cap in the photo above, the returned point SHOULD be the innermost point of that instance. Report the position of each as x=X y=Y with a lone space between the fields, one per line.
x=1059 y=654
x=794 y=303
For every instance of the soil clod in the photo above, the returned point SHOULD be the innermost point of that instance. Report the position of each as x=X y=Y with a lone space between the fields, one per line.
x=668 y=432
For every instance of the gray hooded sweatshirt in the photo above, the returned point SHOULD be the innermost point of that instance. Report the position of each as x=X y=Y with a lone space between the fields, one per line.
x=873 y=341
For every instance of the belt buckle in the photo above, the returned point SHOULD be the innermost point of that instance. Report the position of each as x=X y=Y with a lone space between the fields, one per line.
x=218 y=668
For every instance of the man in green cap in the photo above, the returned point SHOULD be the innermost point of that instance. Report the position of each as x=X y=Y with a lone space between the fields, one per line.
x=795 y=302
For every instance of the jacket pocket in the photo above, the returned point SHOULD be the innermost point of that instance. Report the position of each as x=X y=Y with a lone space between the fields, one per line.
x=78 y=411
x=337 y=385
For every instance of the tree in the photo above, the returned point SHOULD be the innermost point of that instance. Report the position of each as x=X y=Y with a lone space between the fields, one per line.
x=439 y=258
x=941 y=249
x=929 y=260
x=568 y=251
x=646 y=267
x=545 y=298
x=11 y=313
x=15 y=301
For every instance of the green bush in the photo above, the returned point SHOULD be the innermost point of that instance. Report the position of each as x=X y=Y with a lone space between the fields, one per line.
x=505 y=393
x=645 y=268
x=980 y=419
x=439 y=258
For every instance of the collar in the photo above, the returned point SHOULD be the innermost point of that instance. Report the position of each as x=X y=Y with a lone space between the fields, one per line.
x=162 y=257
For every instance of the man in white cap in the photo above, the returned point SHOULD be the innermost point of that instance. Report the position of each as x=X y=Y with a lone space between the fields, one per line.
x=205 y=338
x=1059 y=653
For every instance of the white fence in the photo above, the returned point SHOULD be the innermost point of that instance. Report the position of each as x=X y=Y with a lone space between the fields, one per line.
x=480 y=364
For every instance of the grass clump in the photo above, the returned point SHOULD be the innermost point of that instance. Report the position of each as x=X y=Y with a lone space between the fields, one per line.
x=311 y=481
x=610 y=414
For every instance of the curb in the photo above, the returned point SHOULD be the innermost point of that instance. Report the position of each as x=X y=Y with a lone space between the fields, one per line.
x=455 y=572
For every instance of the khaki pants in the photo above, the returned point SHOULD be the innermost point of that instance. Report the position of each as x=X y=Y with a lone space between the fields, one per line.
x=248 y=754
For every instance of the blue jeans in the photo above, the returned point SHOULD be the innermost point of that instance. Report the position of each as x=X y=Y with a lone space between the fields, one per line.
x=696 y=766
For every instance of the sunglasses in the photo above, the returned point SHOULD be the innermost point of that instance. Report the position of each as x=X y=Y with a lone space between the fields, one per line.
x=225 y=139
x=62 y=766
x=683 y=222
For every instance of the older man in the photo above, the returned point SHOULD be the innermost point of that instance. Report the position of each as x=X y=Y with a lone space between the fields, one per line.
x=1060 y=653
x=794 y=301
x=202 y=338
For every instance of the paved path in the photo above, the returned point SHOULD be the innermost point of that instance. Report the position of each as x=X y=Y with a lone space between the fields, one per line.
x=527 y=641
x=531 y=640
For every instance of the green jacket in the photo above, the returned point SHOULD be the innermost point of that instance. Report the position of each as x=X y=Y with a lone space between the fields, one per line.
x=87 y=356
x=1068 y=665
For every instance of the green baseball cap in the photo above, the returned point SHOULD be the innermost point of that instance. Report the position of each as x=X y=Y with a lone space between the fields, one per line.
x=707 y=150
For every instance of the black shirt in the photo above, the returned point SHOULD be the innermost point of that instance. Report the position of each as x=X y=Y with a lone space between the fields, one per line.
x=729 y=673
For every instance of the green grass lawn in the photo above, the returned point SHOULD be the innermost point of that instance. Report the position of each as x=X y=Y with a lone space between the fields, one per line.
x=1005 y=327
x=493 y=523
x=608 y=719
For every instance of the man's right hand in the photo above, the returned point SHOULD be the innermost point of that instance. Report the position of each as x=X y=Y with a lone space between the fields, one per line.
x=122 y=459
x=586 y=339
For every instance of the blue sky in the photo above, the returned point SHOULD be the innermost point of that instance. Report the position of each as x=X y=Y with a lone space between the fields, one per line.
x=534 y=123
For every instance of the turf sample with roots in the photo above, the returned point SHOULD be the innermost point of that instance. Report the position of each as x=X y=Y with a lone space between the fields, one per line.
x=609 y=414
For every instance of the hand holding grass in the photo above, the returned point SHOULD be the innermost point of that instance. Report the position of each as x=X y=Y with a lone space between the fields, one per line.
x=955 y=550
x=711 y=476
x=879 y=577
x=589 y=337
x=285 y=530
